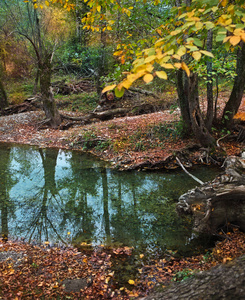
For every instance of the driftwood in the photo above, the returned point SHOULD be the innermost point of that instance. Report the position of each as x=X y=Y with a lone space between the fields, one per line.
x=104 y=115
x=220 y=202
x=29 y=104
x=221 y=282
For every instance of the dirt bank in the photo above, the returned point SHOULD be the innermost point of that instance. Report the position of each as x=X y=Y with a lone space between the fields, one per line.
x=149 y=141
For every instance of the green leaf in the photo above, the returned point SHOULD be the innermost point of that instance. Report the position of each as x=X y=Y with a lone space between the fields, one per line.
x=220 y=38
x=209 y=25
x=119 y=93
x=197 y=42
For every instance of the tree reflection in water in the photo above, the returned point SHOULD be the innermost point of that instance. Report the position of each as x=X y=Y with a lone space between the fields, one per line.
x=69 y=197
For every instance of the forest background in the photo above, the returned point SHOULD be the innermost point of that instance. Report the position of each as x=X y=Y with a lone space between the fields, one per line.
x=181 y=47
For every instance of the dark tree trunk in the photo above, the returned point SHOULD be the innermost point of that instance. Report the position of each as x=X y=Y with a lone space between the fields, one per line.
x=183 y=90
x=198 y=127
x=3 y=96
x=210 y=98
x=49 y=106
x=235 y=99
x=37 y=78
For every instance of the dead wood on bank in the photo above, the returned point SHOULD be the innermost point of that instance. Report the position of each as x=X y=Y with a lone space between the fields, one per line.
x=29 y=104
x=104 y=115
x=217 y=203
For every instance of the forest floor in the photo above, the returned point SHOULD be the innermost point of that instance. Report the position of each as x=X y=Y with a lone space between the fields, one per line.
x=143 y=141
x=146 y=141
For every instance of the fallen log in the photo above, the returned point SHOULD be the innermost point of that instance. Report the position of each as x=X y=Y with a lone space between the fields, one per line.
x=104 y=115
x=29 y=104
x=218 y=203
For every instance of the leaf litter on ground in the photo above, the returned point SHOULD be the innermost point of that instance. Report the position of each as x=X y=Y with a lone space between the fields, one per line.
x=41 y=272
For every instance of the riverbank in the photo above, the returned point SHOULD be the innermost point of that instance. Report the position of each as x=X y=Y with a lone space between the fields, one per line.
x=150 y=141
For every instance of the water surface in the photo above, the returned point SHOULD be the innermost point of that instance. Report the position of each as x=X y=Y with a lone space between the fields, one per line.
x=66 y=196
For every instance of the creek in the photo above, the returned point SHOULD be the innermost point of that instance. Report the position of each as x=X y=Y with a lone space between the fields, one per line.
x=67 y=197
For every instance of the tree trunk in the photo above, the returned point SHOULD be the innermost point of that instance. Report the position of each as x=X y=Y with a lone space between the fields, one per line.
x=235 y=99
x=183 y=90
x=3 y=96
x=198 y=127
x=49 y=106
x=37 y=78
x=210 y=98
x=216 y=204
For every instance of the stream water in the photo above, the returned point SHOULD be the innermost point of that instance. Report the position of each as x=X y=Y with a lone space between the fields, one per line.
x=57 y=196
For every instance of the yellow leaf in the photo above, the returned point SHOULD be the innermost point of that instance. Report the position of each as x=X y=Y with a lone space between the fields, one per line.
x=224 y=3
x=243 y=37
x=196 y=55
x=234 y=40
x=228 y=22
x=207 y=53
x=109 y=28
x=126 y=83
x=214 y=9
x=132 y=77
x=226 y=39
x=175 y=32
x=148 y=78
x=167 y=66
x=68 y=233
x=149 y=68
x=47 y=3
x=186 y=69
x=181 y=51
x=159 y=31
x=162 y=75
x=141 y=255
x=98 y=8
x=170 y=52
x=177 y=65
x=176 y=56
x=199 y=25
x=150 y=58
x=118 y=53
x=238 y=31
x=108 y=88
x=131 y=281
x=164 y=59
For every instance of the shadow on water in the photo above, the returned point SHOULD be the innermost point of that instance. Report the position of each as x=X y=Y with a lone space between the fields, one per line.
x=57 y=196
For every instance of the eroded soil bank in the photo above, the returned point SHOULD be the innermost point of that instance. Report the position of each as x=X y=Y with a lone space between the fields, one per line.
x=149 y=141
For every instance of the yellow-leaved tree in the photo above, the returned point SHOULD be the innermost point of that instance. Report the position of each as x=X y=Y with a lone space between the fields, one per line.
x=183 y=46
